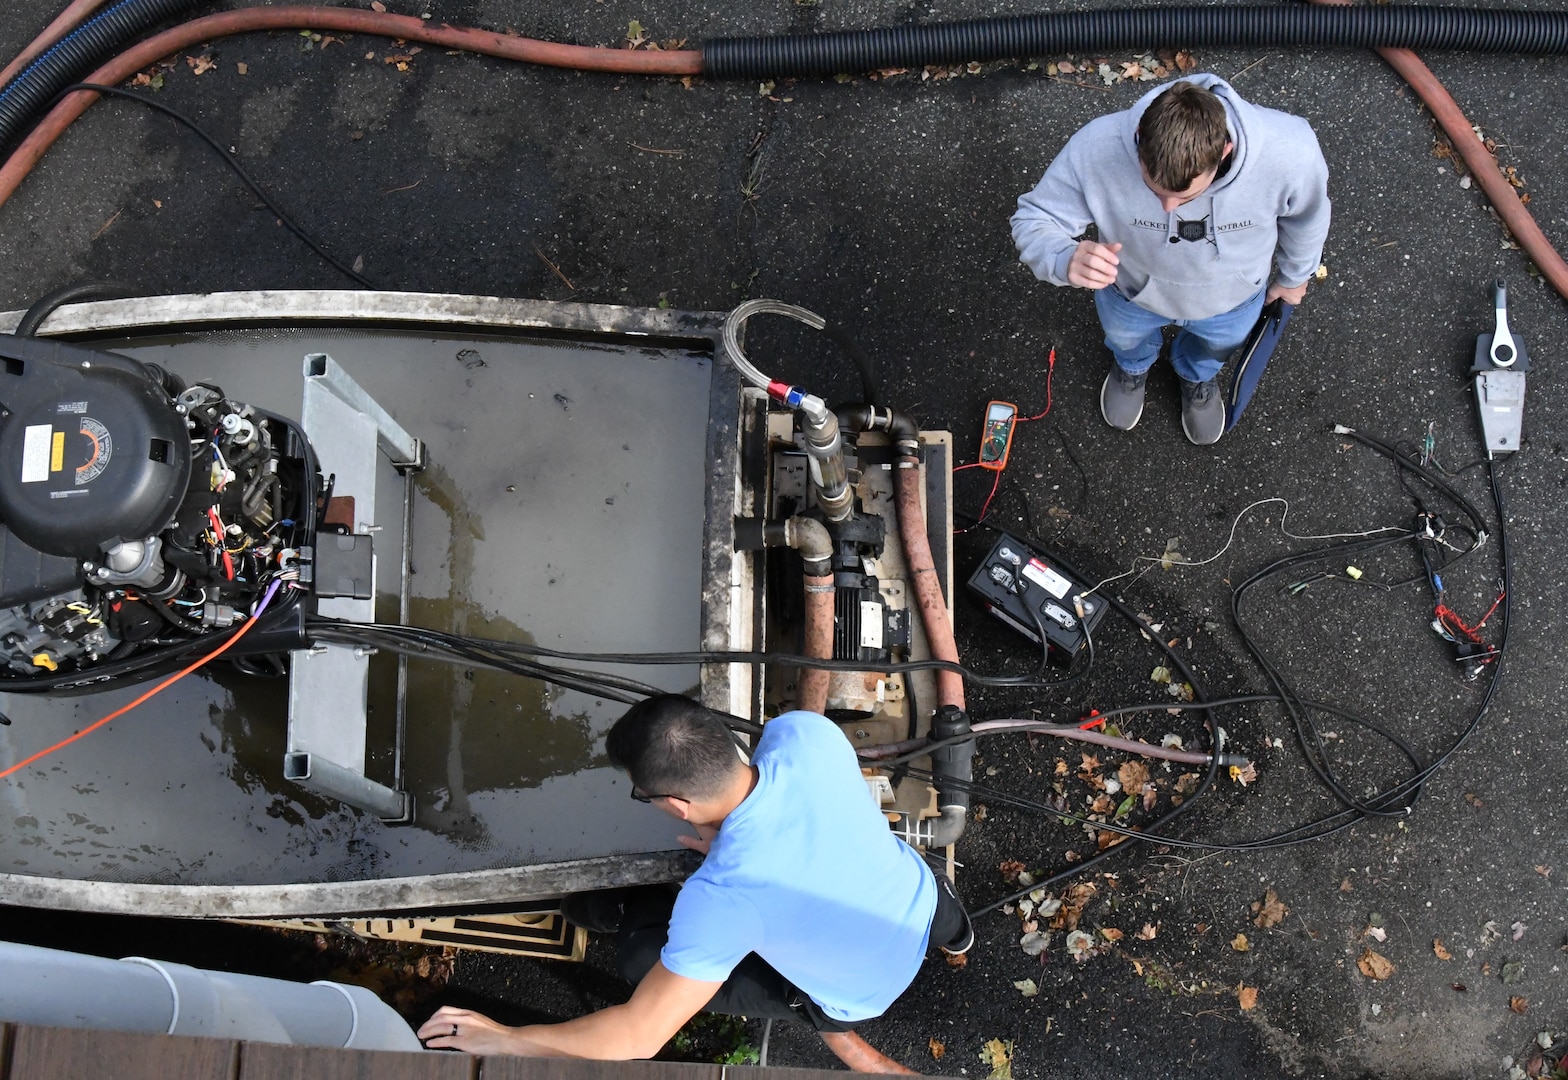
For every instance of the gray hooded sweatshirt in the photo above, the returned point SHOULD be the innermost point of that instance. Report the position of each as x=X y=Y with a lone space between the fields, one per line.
x=1207 y=256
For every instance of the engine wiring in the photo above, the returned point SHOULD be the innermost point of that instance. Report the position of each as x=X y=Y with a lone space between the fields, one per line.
x=224 y=646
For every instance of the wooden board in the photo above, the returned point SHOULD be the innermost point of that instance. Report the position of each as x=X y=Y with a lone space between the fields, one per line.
x=500 y=1068
x=270 y=1061
x=49 y=1053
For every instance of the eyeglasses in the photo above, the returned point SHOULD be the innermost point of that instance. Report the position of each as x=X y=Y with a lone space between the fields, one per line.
x=638 y=796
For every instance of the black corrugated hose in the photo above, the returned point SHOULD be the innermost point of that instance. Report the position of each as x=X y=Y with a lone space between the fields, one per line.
x=73 y=56
x=1412 y=27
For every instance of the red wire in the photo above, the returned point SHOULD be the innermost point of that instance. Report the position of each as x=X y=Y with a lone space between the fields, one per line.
x=122 y=710
x=1050 y=368
x=217 y=523
x=1491 y=610
x=987 y=504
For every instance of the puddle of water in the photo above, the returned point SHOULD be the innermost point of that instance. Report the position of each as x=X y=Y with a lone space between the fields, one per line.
x=564 y=505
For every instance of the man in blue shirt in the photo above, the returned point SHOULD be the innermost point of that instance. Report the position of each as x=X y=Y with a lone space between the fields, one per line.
x=806 y=905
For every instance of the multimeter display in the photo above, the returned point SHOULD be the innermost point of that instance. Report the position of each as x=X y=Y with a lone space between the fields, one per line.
x=997 y=437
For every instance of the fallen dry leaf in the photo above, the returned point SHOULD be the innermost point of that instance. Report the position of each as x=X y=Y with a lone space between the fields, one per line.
x=1133 y=775
x=1375 y=965
x=1269 y=911
x=1440 y=950
x=1110 y=933
x=242 y=68
x=1010 y=869
x=937 y=1049
x=957 y=960
x=377 y=5
x=999 y=1056
x=1544 y=871
x=1518 y=1005
x=1240 y=943
x=1027 y=987
x=1345 y=885
x=1244 y=774
x=200 y=65
x=1148 y=932
x=1247 y=997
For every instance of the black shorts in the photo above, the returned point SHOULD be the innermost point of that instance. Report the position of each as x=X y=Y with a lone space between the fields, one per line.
x=755 y=988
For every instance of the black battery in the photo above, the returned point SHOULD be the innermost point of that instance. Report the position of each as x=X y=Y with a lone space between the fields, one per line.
x=1029 y=592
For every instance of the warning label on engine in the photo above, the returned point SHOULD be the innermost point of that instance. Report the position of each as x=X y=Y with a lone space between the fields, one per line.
x=103 y=450
x=36 y=443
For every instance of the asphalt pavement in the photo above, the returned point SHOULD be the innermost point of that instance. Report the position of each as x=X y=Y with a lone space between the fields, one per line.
x=882 y=202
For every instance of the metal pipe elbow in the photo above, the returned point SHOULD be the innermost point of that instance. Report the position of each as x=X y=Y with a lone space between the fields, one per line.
x=946 y=827
x=811 y=538
x=899 y=426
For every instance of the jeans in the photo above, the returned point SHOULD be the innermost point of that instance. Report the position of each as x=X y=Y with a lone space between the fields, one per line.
x=1133 y=334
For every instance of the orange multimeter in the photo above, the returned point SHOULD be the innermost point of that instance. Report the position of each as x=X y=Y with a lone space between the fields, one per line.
x=996 y=439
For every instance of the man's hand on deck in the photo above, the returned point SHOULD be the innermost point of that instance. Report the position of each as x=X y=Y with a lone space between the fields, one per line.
x=451 y=1028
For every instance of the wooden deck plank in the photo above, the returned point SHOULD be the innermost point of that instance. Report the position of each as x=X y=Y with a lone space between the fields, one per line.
x=270 y=1061
x=50 y=1053
x=520 y=1068
x=5 y=1050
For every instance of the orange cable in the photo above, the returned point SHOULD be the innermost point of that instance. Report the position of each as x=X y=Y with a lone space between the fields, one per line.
x=122 y=710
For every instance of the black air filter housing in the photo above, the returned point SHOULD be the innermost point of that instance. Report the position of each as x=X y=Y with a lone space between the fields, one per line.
x=92 y=450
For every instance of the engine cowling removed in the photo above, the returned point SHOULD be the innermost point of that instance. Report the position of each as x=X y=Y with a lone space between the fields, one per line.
x=137 y=513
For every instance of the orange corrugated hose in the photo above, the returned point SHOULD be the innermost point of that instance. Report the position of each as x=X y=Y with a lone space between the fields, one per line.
x=344 y=20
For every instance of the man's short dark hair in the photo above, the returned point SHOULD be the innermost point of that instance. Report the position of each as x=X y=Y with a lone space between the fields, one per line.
x=1182 y=135
x=671 y=745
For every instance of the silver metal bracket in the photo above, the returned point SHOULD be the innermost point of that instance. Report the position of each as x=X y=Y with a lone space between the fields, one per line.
x=328 y=685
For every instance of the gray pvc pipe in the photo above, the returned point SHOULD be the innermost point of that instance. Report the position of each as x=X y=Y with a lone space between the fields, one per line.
x=62 y=989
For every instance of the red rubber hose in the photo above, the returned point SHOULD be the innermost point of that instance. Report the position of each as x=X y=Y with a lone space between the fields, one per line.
x=812 y=683
x=344 y=20
x=64 y=23
x=1479 y=160
x=924 y=582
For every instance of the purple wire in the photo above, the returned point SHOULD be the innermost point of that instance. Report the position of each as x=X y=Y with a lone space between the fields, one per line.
x=261 y=605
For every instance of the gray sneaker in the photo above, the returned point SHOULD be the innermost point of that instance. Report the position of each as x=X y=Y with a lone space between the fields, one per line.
x=1121 y=398
x=1202 y=412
